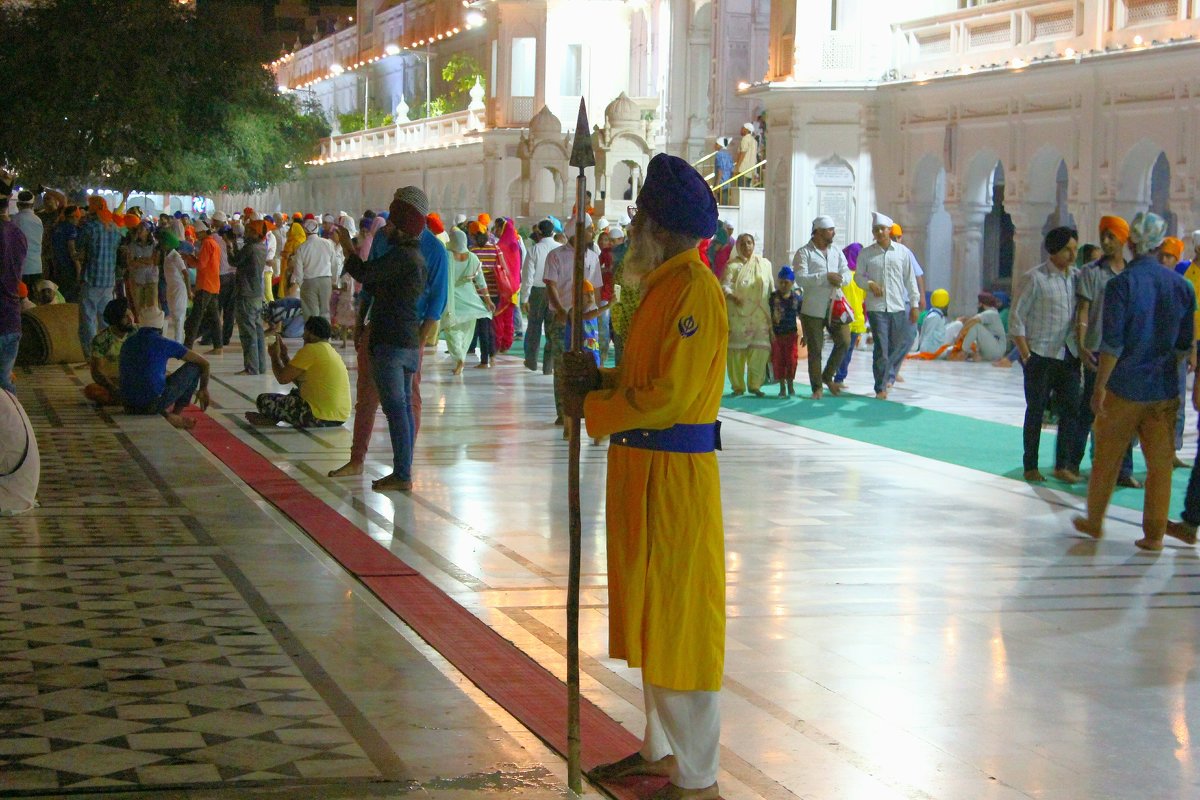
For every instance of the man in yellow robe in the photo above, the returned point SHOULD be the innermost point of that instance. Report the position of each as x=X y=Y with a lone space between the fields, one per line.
x=666 y=559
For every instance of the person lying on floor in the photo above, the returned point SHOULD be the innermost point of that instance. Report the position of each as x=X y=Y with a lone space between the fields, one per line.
x=321 y=398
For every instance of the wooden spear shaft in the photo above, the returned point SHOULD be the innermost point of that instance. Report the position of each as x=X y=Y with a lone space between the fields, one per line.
x=582 y=156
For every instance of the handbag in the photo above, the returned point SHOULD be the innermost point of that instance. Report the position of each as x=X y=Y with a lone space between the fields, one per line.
x=840 y=310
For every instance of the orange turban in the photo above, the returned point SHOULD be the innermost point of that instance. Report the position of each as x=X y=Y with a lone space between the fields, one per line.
x=132 y=220
x=22 y=290
x=270 y=224
x=897 y=230
x=474 y=228
x=587 y=286
x=484 y=220
x=1173 y=247
x=1118 y=227
x=97 y=203
x=105 y=216
x=256 y=228
x=434 y=221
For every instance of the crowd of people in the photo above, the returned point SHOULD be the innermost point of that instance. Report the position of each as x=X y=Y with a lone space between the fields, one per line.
x=483 y=285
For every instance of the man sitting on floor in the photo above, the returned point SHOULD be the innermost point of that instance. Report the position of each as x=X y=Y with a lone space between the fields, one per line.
x=321 y=398
x=105 y=361
x=145 y=386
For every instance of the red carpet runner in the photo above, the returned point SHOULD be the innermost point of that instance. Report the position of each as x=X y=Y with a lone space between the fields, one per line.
x=516 y=682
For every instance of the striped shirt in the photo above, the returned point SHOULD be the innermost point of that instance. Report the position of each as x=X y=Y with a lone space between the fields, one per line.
x=489 y=257
x=1044 y=311
x=98 y=242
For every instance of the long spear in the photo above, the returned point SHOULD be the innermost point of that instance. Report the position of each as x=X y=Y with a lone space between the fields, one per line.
x=582 y=157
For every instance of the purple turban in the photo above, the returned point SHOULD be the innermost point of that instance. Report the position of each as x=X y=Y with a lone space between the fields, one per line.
x=851 y=252
x=678 y=198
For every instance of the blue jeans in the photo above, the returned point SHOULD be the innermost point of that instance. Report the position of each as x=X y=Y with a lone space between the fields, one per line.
x=8 y=357
x=92 y=300
x=393 y=368
x=177 y=392
x=250 y=332
x=891 y=333
x=844 y=367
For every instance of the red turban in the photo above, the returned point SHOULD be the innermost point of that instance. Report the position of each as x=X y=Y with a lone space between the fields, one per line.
x=434 y=221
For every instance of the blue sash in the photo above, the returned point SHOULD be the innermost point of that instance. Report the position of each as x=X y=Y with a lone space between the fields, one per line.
x=703 y=438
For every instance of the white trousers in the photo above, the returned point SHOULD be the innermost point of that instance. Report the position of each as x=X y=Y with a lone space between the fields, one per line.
x=688 y=726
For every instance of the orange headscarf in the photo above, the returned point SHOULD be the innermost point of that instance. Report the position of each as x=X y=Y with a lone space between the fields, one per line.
x=1173 y=247
x=1118 y=227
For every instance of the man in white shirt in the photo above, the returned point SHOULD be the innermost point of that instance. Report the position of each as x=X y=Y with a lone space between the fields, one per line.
x=312 y=271
x=30 y=225
x=821 y=270
x=918 y=301
x=534 y=304
x=885 y=272
x=559 y=278
x=747 y=155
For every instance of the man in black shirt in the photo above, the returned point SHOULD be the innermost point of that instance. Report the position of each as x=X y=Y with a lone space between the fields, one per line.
x=395 y=281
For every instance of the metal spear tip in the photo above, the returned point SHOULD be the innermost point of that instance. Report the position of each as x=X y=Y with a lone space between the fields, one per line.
x=582 y=154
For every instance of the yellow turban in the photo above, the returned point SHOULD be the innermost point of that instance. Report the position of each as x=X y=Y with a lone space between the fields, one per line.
x=1118 y=227
x=940 y=298
x=897 y=230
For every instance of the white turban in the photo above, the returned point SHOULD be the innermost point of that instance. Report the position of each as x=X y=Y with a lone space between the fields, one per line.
x=601 y=223
x=327 y=219
x=347 y=222
x=624 y=221
x=823 y=222
x=615 y=232
x=460 y=219
x=749 y=126
x=311 y=225
x=1195 y=238
x=878 y=219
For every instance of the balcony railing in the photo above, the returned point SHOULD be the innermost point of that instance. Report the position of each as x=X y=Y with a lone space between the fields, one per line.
x=1029 y=29
x=448 y=130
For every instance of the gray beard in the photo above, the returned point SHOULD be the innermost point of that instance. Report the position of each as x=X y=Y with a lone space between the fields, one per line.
x=644 y=255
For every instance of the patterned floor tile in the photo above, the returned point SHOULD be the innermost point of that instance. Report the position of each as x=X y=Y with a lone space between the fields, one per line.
x=172 y=693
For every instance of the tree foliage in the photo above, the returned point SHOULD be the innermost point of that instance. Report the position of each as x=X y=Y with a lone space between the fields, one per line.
x=144 y=94
x=461 y=72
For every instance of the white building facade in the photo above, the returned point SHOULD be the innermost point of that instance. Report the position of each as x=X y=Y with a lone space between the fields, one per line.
x=980 y=128
x=508 y=151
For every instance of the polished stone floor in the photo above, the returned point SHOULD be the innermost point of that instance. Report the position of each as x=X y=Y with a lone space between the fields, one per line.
x=899 y=627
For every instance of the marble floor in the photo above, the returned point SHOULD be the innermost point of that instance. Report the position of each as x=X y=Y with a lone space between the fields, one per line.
x=899 y=627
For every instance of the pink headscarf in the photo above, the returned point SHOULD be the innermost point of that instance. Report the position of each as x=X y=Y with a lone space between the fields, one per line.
x=368 y=236
x=510 y=246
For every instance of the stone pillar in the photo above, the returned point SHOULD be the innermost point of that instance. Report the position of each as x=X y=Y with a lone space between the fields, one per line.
x=967 y=272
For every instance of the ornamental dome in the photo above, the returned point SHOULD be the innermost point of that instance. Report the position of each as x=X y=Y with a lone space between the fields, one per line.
x=544 y=123
x=622 y=111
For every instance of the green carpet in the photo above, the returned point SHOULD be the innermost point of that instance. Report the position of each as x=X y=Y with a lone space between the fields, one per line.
x=966 y=441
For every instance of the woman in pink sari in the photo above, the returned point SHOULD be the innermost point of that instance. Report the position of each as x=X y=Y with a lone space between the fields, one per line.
x=367 y=236
x=510 y=247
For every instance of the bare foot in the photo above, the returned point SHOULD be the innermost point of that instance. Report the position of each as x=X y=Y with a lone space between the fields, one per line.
x=881 y=395
x=834 y=388
x=633 y=765
x=346 y=470
x=1002 y=363
x=243 y=372
x=216 y=351
x=183 y=423
x=673 y=792
x=259 y=420
x=817 y=394
x=481 y=366
x=1182 y=531
x=391 y=483
x=957 y=355
x=458 y=368
x=1095 y=531
x=1146 y=543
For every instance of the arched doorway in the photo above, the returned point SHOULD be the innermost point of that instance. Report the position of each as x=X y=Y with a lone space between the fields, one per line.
x=998 y=235
x=1061 y=216
x=933 y=227
x=1160 y=193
